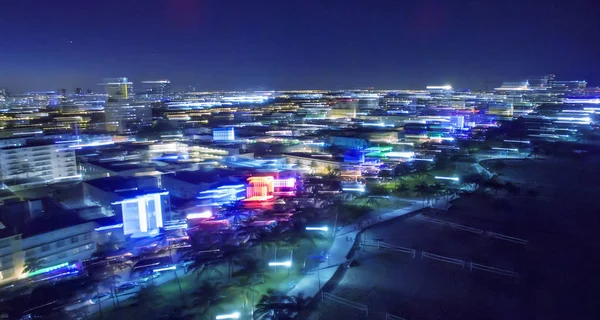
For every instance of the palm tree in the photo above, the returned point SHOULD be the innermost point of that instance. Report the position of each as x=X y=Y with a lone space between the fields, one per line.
x=336 y=207
x=230 y=254
x=147 y=300
x=33 y=265
x=473 y=180
x=495 y=184
x=279 y=305
x=333 y=173
x=91 y=288
x=202 y=266
x=111 y=282
x=245 y=288
x=402 y=188
x=251 y=268
x=208 y=296
x=313 y=166
x=237 y=212
x=422 y=190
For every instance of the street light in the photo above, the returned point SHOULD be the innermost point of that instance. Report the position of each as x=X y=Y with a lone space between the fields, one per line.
x=317 y=229
x=165 y=269
x=287 y=264
x=455 y=179
x=235 y=315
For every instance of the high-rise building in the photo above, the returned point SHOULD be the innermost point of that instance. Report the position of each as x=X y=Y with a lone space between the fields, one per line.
x=155 y=90
x=126 y=116
x=37 y=163
x=122 y=114
x=117 y=88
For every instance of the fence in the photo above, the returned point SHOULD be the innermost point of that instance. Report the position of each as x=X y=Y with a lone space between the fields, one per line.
x=465 y=228
x=475 y=230
x=482 y=267
x=438 y=221
x=389 y=247
x=346 y=302
x=441 y=258
x=389 y=316
x=507 y=238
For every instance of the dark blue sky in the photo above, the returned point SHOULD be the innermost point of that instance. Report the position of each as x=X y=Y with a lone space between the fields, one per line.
x=281 y=44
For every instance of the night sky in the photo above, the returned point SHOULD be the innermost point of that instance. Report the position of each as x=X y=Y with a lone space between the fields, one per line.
x=283 y=44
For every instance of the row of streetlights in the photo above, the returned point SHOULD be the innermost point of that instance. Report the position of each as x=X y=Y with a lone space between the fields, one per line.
x=286 y=263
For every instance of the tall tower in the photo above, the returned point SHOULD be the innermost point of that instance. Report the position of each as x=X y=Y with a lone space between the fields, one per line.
x=117 y=88
x=120 y=112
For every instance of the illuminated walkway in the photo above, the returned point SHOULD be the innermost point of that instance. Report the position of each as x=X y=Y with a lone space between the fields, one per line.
x=310 y=285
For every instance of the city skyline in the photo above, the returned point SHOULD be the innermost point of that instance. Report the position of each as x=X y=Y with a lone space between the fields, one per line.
x=279 y=46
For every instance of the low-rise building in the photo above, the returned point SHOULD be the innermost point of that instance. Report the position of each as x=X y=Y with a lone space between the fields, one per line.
x=40 y=238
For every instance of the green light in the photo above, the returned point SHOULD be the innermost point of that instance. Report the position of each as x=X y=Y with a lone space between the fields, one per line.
x=47 y=269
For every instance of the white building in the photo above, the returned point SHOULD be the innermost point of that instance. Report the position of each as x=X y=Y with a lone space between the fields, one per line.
x=142 y=214
x=124 y=116
x=224 y=134
x=36 y=164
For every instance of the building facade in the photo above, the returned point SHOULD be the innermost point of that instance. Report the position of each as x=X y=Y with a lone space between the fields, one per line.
x=29 y=166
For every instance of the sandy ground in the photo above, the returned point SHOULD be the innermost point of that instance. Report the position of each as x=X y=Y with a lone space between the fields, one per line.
x=557 y=267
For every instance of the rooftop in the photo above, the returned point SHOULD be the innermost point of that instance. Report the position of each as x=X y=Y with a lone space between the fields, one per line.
x=34 y=217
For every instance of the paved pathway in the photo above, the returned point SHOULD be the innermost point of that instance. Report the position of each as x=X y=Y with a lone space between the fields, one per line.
x=345 y=238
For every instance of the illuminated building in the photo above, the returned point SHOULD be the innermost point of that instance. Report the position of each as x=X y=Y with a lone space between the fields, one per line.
x=260 y=188
x=348 y=142
x=38 y=231
x=224 y=134
x=142 y=214
x=117 y=88
x=190 y=184
x=314 y=164
x=123 y=115
x=37 y=163
x=224 y=194
x=155 y=90
x=500 y=109
x=354 y=156
x=343 y=109
x=133 y=202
